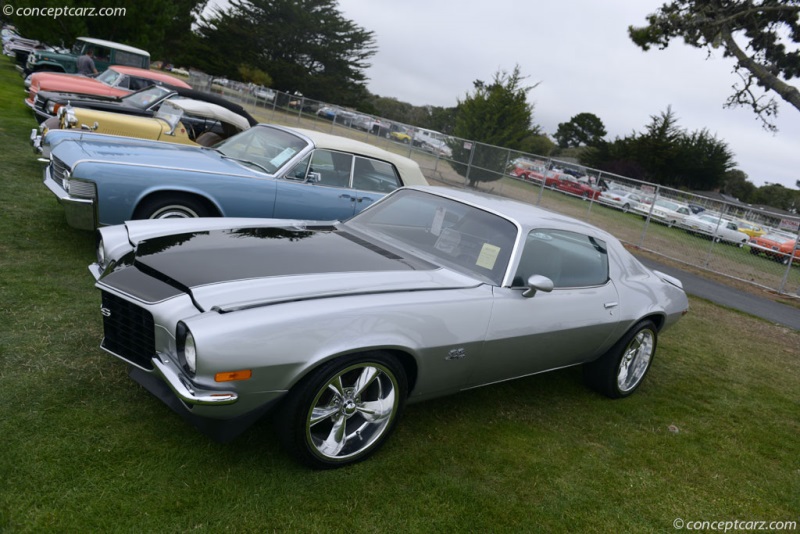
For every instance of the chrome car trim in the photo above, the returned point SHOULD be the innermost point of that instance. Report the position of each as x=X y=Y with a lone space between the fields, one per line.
x=162 y=167
x=78 y=211
x=185 y=390
x=269 y=302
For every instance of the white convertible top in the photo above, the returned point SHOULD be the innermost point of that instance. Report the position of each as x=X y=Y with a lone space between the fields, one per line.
x=116 y=46
x=209 y=111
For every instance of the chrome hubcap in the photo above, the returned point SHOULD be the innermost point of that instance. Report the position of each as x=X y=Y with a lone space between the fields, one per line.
x=352 y=411
x=635 y=360
x=174 y=212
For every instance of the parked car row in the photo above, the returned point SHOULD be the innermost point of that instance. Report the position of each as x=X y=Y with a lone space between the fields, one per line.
x=694 y=219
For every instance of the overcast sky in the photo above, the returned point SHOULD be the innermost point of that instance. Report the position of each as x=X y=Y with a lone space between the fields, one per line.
x=429 y=52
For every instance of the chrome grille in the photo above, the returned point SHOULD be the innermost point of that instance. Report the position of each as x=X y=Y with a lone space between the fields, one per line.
x=39 y=103
x=58 y=170
x=129 y=331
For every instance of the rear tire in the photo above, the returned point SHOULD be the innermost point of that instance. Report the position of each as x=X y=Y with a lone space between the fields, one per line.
x=620 y=371
x=173 y=206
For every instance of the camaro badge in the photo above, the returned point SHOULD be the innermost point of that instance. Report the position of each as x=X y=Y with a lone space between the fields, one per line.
x=105 y=312
x=456 y=354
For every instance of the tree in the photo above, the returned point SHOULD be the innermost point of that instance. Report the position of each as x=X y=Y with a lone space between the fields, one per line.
x=306 y=46
x=495 y=115
x=666 y=154
x=584 y=129
x=764 y=63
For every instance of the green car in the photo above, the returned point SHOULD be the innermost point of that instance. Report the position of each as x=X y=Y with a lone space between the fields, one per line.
x=106 y=53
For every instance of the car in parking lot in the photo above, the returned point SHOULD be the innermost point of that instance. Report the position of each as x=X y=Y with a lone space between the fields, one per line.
x=178 y=120
x=569 y=184
x=716 y=227
x=265 y=171
x=776 y=246
x=751 y=229
x=336 y=326
x=664 y=211
x=620 y=199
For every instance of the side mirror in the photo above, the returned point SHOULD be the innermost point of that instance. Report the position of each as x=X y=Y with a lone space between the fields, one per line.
x=313 y=178
x=536 y=283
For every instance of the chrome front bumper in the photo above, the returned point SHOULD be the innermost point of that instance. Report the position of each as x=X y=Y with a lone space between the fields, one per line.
x=78 y=211
x=184 y=389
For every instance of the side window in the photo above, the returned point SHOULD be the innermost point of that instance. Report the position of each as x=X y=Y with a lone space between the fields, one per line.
x=298 y=172
x=101 y=53
x=123 y=81
x=126 y=58
x=139 y=83
x=567 y=258
x=732 y=226
x=373 y=175
x=334 y=168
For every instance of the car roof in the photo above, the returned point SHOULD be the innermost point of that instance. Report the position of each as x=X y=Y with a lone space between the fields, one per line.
x=150 y=74
x=528 y=217
x=409 y=169
x=210 y=111
x=117 y=46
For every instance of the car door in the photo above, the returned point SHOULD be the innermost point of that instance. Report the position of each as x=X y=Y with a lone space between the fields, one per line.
x=574 y=323
x=318 y=188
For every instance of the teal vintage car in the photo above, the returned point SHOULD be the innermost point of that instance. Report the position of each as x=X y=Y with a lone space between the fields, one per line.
x=265 y=171
x=106 y=53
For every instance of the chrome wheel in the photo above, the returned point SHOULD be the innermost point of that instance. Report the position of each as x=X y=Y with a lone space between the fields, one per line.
x=344 y=410
x=352 y=411
x=635 y=360
x=174 y=211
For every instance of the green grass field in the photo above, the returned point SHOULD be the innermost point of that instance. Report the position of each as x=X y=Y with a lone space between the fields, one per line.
x=711 y=435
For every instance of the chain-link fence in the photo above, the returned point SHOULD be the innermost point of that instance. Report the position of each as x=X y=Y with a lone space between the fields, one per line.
x=756 y=246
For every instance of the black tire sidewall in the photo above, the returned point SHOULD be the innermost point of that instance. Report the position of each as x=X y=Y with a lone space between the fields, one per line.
x=601 y=374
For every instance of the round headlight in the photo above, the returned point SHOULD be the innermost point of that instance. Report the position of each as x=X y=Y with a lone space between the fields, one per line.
x=101 y=253
x=190 y=352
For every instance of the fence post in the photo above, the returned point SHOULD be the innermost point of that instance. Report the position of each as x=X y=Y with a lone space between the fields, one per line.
x=707 y=261
x=785 y=280
x=469 y=163
x=649 y=215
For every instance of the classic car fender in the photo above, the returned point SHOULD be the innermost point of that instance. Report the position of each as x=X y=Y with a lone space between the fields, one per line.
x=119 y=196
x=282 y=343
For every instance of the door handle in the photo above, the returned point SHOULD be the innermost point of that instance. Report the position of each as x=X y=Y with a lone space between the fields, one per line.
x=362 y=199
x=345 y=195
x=608 y=305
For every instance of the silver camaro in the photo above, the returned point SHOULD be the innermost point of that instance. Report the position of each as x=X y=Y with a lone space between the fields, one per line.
x=335 y=326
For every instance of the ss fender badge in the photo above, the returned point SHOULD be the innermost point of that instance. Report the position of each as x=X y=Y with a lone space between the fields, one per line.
x=105 y=312
x=456 y=354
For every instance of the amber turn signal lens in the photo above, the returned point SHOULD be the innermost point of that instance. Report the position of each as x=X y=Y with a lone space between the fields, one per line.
x=231 y=376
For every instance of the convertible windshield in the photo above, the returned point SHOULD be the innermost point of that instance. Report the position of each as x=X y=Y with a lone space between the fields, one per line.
x=143 y=98
x=266 y=147
x=108 y=77
x=452 y=234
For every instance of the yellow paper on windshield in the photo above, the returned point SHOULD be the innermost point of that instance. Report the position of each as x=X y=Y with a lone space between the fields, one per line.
x=488 y=256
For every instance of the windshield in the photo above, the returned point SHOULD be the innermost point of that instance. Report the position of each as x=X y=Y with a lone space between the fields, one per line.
x=266 y=147
x=144 y=98
x=108 y=77
x=444 y=231
x=169 y=113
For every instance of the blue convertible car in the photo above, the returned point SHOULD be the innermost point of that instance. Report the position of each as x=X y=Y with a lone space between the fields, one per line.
x=266 y=171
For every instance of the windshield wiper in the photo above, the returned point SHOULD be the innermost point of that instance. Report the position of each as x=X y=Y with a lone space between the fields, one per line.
x=247 y=161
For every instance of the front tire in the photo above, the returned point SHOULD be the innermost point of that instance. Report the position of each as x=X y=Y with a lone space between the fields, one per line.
x=344 y=410
x=621 y=370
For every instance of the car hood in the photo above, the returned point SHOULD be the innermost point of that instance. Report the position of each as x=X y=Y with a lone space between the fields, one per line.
x=143 y=152
x=76 y=99
x=47 y=81
x=247 y=267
